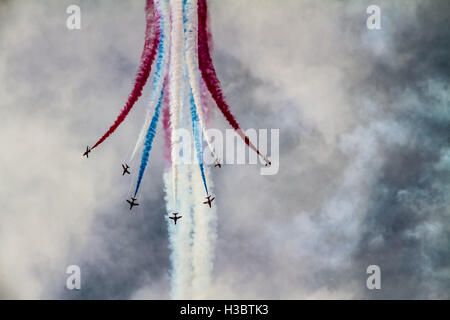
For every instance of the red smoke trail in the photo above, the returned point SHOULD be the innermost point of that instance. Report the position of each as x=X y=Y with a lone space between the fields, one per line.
x=152 y=35
x=208 y=31
x=166 y=122
x=210 y=77
x=207 y=102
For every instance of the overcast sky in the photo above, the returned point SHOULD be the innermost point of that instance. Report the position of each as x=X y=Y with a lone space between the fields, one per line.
x=364 y=119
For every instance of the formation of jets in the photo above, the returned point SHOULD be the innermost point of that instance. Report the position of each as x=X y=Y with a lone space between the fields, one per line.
x=132 y=202
x=175 y=217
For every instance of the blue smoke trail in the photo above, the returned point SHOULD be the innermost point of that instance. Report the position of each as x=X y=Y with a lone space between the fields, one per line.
x=198 y=143
x=148 y=144
x=150 y=135
x=158 y=82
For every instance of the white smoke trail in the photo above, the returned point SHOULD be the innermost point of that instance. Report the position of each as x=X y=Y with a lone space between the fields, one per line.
x=205 y=218
x=175 y=75
x=158 y=83
x=204 y=240
x=191 y=45
x=173 y=235
x=180 y=235
x=192 y=239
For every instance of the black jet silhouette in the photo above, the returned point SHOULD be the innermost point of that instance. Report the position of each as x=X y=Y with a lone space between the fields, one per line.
x=125 y=169
x=86 y=153
x=209 y=200
x=132 y=203
x=175 y=218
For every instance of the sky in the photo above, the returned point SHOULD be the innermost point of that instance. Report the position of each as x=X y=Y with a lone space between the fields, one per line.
x=364 y=120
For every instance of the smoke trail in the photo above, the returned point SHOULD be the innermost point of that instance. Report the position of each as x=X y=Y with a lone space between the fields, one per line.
x=181 y=234
x=198 y=143
x=166 y=124
x=191 y=25
x=192 y=240
x=148 y=143
x=170 y=204
x=161 y=69
x=208 y=32
x=210 y=76
x=175 y=85
x=207 y=103
x=204 y=240
x=147 y=58
x=172 y=230
x=180 y=240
